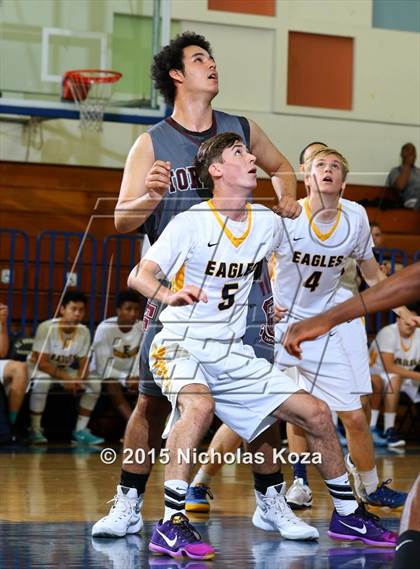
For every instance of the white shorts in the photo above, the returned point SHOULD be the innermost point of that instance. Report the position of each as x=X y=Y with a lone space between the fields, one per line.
x=3 y=364
x=334 y=367
x=408 y=386
x=245 y=389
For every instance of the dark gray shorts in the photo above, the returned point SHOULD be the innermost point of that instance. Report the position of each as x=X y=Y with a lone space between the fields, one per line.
x=147 y=385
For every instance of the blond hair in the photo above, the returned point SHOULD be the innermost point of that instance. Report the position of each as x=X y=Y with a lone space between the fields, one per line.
x=322 y=153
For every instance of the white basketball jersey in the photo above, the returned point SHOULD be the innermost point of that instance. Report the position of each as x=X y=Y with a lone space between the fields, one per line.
x=310 y=260
x=406 y=351
x=63 y=349
x=116 y=350
x=202 y=247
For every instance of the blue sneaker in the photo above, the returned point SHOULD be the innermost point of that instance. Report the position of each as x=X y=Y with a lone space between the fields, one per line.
x=178 y=538
x=85 y=437
x=384 y=496
x=378 y=439
x=196 y=499
x=361 y=526
x=393 y=439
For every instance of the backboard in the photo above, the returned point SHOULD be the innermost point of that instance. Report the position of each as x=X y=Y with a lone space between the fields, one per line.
x=32 y=89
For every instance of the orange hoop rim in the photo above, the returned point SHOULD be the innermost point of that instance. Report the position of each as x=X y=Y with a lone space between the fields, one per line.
x=93 y=75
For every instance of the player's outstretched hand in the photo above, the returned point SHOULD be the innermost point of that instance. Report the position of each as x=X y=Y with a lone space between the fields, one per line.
x=279 y=313
x=303 y=331
x=187 y=295
x=4 y=311
x=158 y=179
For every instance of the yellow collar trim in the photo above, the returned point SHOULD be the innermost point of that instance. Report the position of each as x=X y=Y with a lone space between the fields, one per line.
x=236 y=241
x=315 y=229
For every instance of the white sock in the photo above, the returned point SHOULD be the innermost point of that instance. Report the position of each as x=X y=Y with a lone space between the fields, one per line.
x=175 y=491
x=342 y=495
x=82 y=422
x=36 y=422
x=201 y=478
x=334 y=418
x=389 y=421
x=374 y=417
x=370 y=480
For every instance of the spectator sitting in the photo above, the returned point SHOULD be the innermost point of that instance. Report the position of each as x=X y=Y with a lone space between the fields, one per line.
x=60 y=355
x=13 y=375
x=116 y=350
x=406 y=178
x=393 y=356
x=385 y=262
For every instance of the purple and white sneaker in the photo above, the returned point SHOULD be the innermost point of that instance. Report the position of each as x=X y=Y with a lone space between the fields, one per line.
x=178 y=538
x=362 y=526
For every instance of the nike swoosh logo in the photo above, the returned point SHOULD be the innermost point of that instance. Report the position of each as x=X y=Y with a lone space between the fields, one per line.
x=297 y=238
x=212 y=244
x=402 y=543
x=361 y=530
x=170 y=542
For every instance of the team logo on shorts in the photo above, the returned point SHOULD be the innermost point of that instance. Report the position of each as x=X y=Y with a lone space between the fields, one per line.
x=149 y=314
x=267 y=329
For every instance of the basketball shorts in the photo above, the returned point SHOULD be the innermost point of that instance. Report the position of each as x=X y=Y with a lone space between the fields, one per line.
x=3 y=364
x=332 y=369
x=245 y=389
x=408 y=386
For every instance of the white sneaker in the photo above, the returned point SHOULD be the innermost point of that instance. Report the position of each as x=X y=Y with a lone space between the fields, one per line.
x=124 y=517
x=358 y=486
x=299 y=495
x=274 y=514
x=122 y=553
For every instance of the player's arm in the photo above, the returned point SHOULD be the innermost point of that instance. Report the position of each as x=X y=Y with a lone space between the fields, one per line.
x=45 y=365
x=143 y=278
x=392 y=368
x=278 y=168
x=400 y=288
x=373 y=275
x=144 y=184
x=83 y=368
x=4 y=337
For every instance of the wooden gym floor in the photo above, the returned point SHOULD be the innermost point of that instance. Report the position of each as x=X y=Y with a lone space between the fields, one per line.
x=50 y=496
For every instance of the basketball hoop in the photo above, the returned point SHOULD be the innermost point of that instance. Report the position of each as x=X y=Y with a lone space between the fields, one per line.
x=91 y=90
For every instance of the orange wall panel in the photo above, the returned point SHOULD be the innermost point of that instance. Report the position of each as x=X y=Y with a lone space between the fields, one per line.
x=258 y=7
x=320 y=71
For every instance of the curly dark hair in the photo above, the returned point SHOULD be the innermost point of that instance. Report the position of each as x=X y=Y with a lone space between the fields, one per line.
x=171 y=57
x=211 y=151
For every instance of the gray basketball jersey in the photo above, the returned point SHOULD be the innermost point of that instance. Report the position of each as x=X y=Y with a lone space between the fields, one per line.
x=177 y=145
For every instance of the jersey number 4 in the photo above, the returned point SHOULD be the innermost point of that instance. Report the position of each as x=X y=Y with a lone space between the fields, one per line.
x=228 y=294
x=312 y=282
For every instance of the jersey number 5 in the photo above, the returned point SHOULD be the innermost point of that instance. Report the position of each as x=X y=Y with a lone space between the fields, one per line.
x=312 y=282
x=228 y=294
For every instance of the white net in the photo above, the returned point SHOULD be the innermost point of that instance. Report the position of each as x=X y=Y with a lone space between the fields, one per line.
x=91 y=89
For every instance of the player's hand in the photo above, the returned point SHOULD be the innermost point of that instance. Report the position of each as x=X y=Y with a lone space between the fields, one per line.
x=412 y=320
x=303 y=331
x=187 y=295
x=279 y=313
x=158 y=179
x=287 y=206
x=132 y=384
x=4 y=311
x=72 y=386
